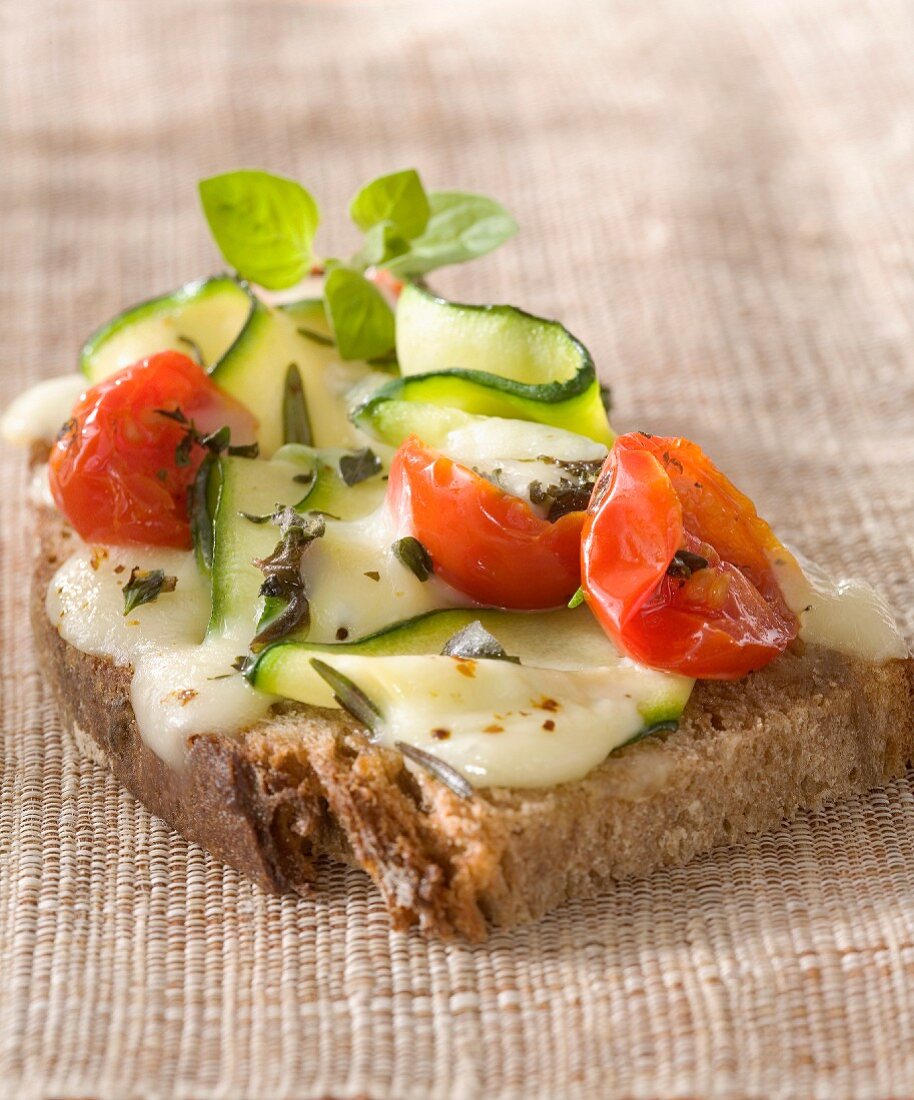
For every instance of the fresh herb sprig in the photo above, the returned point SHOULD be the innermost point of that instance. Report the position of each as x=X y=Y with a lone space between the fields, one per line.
x=265 y=225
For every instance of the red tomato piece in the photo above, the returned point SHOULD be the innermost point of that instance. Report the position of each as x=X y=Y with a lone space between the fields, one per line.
x=483 y=541
x=677 y=563
x=114 y=472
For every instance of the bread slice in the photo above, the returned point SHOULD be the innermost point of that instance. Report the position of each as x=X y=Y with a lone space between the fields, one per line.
x=306 y=783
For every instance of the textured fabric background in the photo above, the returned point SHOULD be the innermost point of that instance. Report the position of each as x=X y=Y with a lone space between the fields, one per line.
x=719 y=198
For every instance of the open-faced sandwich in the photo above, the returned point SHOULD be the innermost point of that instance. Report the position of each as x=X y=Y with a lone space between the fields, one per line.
x=357 y=572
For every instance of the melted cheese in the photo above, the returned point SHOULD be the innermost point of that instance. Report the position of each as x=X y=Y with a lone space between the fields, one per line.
x=356 y=584
x=848 y=616
x=182 y=684
x=507 y=725
x=37 y=415
x=515 y=453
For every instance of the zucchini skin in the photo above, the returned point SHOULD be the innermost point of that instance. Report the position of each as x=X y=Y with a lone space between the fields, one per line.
x=195 y=291
x=450 y=354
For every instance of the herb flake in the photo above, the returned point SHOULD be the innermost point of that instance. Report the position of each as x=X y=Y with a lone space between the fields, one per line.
x=146 y=585
x=359 y=466
x=474 y=642
x=685 y=563
x=444 y=773
x=283 y=582
x=296 y=424
x=410 y=553
x=349 y=695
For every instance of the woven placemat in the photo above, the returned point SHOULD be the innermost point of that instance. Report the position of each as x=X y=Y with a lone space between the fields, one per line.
x=718 y=198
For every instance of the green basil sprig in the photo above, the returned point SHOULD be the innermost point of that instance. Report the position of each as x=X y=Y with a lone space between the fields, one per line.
x=264 y=226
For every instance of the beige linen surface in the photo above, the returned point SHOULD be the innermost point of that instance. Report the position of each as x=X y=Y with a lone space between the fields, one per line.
x=719 y=198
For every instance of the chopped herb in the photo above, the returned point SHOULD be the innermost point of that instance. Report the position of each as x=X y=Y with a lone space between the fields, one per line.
x=474 y=642
x=282 y=575
x=359 y=466
x=410 y=552
x=295 y=421
x=316 y=337
x=194 y=349
x=284 y=516
x=201 y=515
x=216 y=443
x=349 y=696
x=573 y=490
x=444 y=773
x=146 y=585
x=577 y=599
x=245 y=450
x=241 y=662
x=685 y=563
x=183 y=449
x=372 y=575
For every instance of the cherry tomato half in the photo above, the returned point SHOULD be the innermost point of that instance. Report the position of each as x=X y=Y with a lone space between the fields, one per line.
x=676 y=563
x=484 y=542
x=115 y=471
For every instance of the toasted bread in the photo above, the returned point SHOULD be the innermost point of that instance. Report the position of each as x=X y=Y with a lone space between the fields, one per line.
x=811 y=727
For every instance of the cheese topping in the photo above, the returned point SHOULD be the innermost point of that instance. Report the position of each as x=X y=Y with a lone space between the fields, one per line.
x=37 y=415
x=182 y=685
x=507 y=725
x=357 y=585
x=848 y=616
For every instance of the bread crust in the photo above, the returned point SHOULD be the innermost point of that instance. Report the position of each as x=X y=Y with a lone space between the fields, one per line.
x=306 y=783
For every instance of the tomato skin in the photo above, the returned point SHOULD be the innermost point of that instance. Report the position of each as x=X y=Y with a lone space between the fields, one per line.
x=654 y=497
x=113 y=471
x=482 y=541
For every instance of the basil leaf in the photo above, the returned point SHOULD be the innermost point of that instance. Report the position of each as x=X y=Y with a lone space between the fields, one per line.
x=475 y=643
x=382 y=243
x=359 y=466
x=399 y=199
x=263 y=224
x=461 y=227
x=362 y=321
x=144 y=586
x=296 y=425
x=411 y=553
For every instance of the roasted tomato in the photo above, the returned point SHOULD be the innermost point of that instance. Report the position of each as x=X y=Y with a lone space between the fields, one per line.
x=484 y=542
x=120 y=470
x=677 y=563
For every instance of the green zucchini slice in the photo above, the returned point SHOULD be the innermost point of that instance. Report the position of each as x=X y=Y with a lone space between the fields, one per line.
x=489 y=360
x=201 y=319
x=549 y=719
